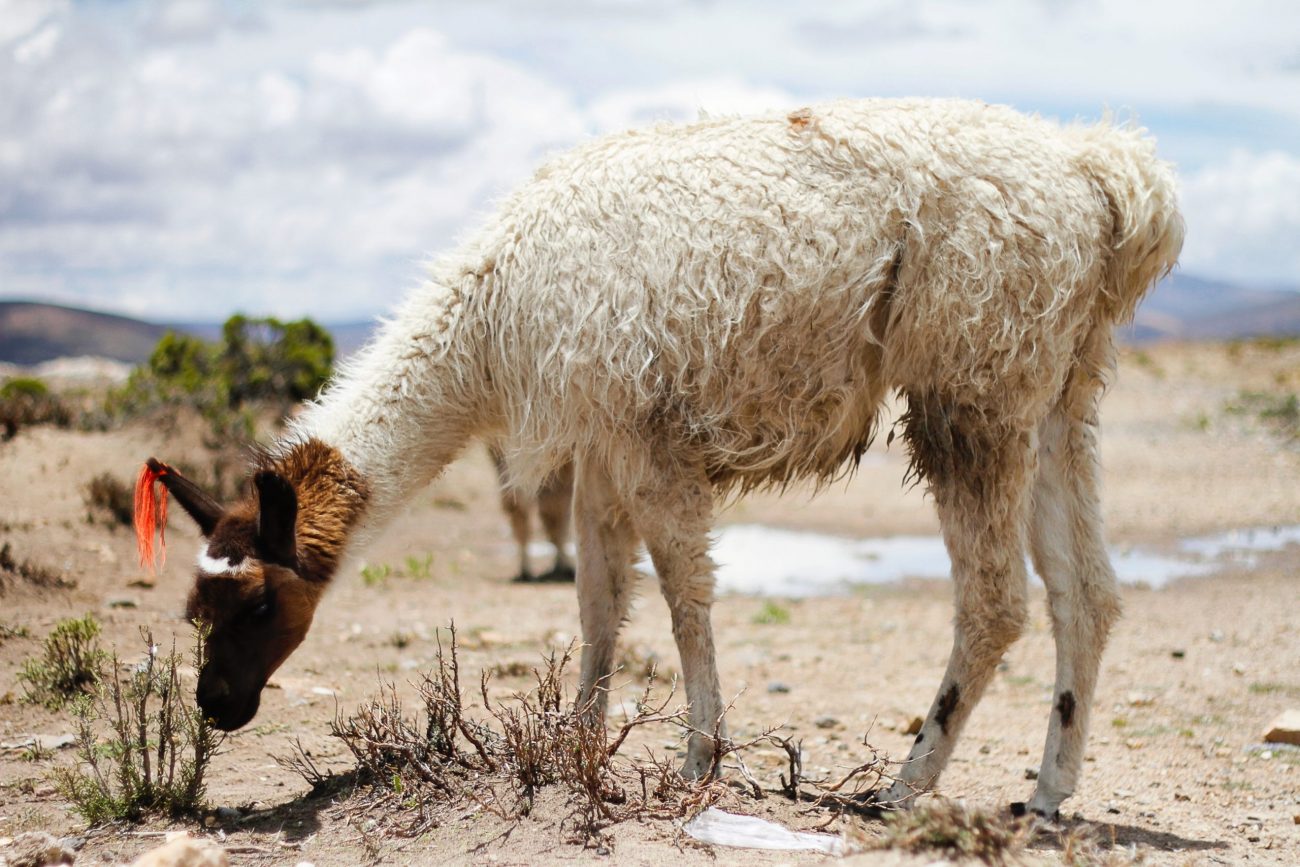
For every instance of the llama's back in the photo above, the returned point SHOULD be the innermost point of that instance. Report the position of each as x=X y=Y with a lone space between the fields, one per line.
x=752 y=287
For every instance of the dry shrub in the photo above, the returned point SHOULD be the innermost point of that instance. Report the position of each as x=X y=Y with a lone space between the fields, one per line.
x=433 y=762
x=956 y=830
x=26 y=401
x=29 y=572
x=110 y=497
x=157 y=747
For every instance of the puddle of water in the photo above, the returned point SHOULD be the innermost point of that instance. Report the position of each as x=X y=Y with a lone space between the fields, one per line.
x=755 y=559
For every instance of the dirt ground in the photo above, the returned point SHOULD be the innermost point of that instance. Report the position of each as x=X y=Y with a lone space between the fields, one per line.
x=1175 y=773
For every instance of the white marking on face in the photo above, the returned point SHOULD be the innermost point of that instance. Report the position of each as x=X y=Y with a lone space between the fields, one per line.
x=220 y=565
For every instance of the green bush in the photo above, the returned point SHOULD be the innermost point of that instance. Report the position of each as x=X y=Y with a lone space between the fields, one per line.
x=257 y=362
x=157 y=747
x=70 y=665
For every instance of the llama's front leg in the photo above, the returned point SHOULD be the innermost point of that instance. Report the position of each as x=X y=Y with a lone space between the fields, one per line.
x=674 y=523
x=606 y=546
x=981 y=509
x=1070 y=556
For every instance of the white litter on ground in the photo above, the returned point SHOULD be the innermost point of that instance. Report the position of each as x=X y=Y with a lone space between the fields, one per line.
x=719 y=828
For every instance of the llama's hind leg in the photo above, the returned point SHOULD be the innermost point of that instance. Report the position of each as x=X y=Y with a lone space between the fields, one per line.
x=1070 y=556
x=979 y=476
x=606 y=549
x=554 y=507
x=517 y=508
x=674 y=517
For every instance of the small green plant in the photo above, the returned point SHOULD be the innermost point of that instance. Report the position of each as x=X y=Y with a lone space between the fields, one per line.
x=7 y=632
x=157 y=747
x=400 y=639
x=376 y=573
x=772 y=614
x=70 y=665
x=419 y=568
x=109 y=496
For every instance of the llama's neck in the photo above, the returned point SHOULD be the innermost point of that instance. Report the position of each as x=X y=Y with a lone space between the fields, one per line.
x=332 y=499
x=405 y=406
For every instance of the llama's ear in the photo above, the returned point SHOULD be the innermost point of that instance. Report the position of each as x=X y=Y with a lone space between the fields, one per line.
x=205 y=511
x=277 y=513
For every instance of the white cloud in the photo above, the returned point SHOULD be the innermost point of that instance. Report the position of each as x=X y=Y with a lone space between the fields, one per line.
x=1243 y=218
x=181 y=159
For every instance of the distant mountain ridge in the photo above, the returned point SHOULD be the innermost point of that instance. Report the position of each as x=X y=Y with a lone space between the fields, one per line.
x=32 y=332
x=1182 y=307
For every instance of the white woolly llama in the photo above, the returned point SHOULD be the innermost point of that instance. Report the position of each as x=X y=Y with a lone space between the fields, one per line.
x=693 y=311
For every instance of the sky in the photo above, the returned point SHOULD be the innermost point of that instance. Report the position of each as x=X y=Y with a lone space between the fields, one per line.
x=180 y=160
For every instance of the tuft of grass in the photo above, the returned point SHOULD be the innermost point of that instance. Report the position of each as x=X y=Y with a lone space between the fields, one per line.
x=956 y=830
x=374 y=574
x=772 y=614
x=108 y=495
x=1279 y=411
x=144 y=748
x=70 y=664
x=420 y=568
x=7 y=632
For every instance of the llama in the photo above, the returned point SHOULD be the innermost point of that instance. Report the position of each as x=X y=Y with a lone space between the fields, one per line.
x=554 y=506
x=691 y=312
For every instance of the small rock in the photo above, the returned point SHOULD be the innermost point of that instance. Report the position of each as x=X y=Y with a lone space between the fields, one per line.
x=1216 y=636
x=1178 y=654
x=778 y=686
x=1238 y=669
x=914 y=727
x=42 y=742
x=1031 y=773
x=1296 y=819
x=826 y=722
x=37 y=849
x=228 y=814
x=1285 y=729
x=76 y=844
x=122 y=602
x=144 y=583
x=184 y=851
x=1140 y=699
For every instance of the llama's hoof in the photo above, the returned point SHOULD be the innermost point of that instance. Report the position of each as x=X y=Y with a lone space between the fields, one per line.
x=1019 y=810
x=562 y=574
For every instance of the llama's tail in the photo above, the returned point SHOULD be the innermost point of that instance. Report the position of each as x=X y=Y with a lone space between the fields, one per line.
x=1148 y=229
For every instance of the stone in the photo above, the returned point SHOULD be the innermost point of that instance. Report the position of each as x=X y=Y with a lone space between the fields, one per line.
x=184 y=851
x=914 y=727
x=41 y=742
x=826 y=722
x=37 y=849
x=1285 y=729
x=778 y=687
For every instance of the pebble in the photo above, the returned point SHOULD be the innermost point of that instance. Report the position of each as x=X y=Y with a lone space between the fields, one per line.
x=184 y=851
x=778 y=686
x=1285 y=729
x=122 y=602
x=826 y=722
x=228 y=814
x=1178 y=654
x=1031 y=773
x=44 y=742
x=914 y=727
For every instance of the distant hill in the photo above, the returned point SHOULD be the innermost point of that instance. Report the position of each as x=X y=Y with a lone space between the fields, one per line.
x=1184 y=307
x=31 y=333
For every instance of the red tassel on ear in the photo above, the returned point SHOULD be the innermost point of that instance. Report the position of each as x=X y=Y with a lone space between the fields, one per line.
x=151 y=513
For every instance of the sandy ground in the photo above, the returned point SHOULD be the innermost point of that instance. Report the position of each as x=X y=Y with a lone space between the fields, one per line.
x=1174 y=775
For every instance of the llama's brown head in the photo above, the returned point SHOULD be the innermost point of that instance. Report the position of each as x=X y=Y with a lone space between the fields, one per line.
x=252 y=591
